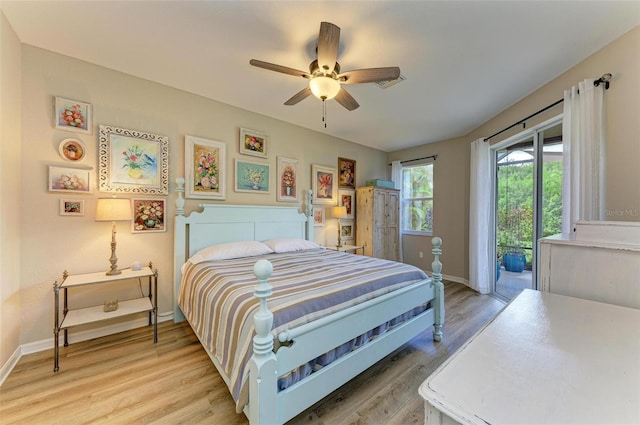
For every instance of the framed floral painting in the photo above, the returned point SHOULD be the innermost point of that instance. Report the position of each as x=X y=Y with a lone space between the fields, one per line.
x=287 y=180
x=347 y=198
x=252 y=177
x=72 y=115
x=347 y=230
x=324 y=186
x=72 y=150
x=72 y=207
x=67 y=179
x=347 y=173
x=133 y=161
x=318 y=216
x=148 y=215
x=253 y=143
x=205 y=168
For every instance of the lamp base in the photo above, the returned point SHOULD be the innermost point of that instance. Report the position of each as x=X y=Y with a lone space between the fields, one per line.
x=113 y=259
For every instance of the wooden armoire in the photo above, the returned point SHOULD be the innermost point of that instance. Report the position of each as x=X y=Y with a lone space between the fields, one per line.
x=377 y=222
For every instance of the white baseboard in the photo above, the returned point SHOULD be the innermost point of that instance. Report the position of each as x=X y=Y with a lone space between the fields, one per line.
x=6 y=368
x=47 y=344
x=456 y=279
x=448 y=277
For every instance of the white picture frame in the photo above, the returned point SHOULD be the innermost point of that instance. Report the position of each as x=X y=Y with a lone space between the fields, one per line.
x=347 y=198
x=287 y=180
x=205 y=165
x=324 y=184
x=253 y=143
x=132 y=161
x=318 y=216
x=252 y=177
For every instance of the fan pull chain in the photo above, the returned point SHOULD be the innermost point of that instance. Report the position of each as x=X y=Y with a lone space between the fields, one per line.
x=324 y=112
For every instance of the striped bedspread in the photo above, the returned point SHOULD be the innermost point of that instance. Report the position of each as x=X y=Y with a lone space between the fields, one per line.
x=217 y=299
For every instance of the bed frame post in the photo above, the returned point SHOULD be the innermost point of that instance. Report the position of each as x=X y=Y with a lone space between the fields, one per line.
x=309 y=213
x=436 y=279
x=179 y=254
x=263 y=364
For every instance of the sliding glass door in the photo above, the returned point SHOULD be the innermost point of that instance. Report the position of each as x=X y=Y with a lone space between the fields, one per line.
x=528 y=203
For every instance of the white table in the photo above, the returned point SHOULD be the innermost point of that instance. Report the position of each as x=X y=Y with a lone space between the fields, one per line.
x=545 y=359
x=347 y=248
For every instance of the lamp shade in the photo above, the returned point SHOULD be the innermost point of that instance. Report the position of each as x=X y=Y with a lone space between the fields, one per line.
x=324 y=88
x=339 y=212
x=113 y=209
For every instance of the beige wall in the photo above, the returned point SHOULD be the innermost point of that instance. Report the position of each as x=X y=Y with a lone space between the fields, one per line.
x=622 y=109
x=53 y=243
x=10 y=192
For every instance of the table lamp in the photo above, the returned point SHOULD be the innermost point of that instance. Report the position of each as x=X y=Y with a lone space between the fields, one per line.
x=339 y=212
x=113 y=209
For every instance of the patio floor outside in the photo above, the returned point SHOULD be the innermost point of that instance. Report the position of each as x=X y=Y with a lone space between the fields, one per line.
x=511 y=284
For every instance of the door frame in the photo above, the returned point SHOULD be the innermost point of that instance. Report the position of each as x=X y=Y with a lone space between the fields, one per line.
x=537 y=147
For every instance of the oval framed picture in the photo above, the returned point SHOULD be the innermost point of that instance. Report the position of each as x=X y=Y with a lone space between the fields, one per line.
x=72 y=150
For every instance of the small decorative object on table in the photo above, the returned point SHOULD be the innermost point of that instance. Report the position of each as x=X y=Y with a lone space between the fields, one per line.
x=110 y=304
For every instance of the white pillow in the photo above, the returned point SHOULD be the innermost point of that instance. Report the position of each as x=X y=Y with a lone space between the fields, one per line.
x=290 y=244
x=230 y=250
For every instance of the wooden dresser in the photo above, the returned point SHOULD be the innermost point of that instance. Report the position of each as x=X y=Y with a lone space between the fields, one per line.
x=377 y=222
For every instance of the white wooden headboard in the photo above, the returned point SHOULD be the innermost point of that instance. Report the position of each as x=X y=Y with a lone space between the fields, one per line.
x=221 y=223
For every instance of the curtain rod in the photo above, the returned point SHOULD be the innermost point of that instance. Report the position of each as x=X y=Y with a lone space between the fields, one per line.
x=418 y=159
x=602 y=80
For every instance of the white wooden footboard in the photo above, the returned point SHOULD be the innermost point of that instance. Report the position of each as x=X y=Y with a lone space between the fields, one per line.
x=268 y=406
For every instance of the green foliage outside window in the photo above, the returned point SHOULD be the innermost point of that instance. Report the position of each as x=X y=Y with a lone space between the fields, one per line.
x=515 y=206
x=417 y=198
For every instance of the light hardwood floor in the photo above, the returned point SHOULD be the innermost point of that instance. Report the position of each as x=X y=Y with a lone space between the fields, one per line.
x=126 y=379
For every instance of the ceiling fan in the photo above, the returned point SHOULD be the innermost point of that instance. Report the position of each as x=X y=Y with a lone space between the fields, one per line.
x=325 y=78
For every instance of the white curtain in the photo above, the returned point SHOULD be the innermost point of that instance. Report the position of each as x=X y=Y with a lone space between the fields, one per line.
x=583 y=154
x=480 y=218
x=396 y=177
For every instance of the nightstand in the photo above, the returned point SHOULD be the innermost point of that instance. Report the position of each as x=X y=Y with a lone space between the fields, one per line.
x=347 y=248
x=81 y=316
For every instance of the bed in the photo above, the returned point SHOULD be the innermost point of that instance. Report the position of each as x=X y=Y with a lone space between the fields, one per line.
x=289 y=347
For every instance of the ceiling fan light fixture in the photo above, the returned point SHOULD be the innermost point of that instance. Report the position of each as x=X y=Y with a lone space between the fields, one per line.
x=324 y=88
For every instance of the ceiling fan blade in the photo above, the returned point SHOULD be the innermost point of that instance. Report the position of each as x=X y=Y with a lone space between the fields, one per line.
x=279 y=68
x=370 y=75
x=328 y=43
x=345 y=99
x=302 y=94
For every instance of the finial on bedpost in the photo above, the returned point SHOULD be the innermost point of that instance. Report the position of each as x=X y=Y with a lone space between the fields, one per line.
x=180 y=199
x=436 y=279
x=309 y=208
x=309 y=199
x=263 y=319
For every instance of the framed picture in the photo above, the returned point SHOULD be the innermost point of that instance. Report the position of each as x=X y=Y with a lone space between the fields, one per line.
x=347 y=198
x=205 y=168
x=347 y=230
x=253 y=143
x=148 y=215
x=72 y=115
x=72 y=150
x=347 y=173
x=323 y=181
x=73 y=207
x=133 y=161
x=251 y=177
x=287 y=180
x=318 y=216
x=67 y=179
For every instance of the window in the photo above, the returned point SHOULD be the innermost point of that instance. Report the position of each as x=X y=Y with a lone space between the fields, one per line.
x=417 y=199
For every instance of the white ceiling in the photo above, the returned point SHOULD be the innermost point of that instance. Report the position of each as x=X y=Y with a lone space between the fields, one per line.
x=464 y=61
